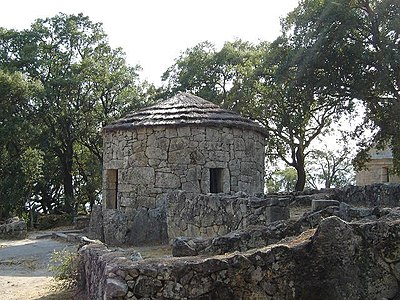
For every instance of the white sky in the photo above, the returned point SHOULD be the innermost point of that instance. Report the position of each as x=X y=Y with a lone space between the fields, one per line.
x=154 y=32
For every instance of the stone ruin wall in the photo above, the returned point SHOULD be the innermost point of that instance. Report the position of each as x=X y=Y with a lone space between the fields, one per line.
x=305 y=267
x=193 y=215
x=154 y=161
x=187 y=214
x=309 y=267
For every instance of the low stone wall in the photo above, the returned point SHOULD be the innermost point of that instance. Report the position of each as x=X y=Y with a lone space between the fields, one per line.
x=339 y=260
x=209 y=215
x=240 y=240
x=14 y=228
x=138 y=227
x=379 y=194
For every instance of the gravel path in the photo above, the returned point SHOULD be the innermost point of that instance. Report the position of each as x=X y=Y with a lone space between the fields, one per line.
x=24 y=267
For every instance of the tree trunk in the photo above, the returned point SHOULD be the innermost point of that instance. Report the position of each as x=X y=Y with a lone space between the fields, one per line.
x=68 y=180
x=301 y=178
x=300 y=169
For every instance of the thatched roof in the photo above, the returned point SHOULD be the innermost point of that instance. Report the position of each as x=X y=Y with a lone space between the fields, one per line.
x=183 y=109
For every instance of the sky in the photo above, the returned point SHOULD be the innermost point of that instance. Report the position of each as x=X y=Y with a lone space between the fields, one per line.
x=153 y=33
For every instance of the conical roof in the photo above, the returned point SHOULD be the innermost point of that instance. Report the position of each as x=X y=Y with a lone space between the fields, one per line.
x=184 y=109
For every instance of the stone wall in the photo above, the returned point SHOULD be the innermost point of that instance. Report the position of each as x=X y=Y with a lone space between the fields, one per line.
x=14 y=228
x=371 y=195
x=377 y=171
x=378 y=194
x=209 y=215
x=153 y=161
x=140 y=227
x=339 y=260
x=186 y=214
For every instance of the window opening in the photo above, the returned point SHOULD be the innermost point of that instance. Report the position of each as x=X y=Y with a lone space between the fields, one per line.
x=111 y=188
x=385 y=174
x=216 y=180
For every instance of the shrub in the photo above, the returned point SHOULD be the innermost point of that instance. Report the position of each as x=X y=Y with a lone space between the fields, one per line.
x=64 y=265
x=45 y=222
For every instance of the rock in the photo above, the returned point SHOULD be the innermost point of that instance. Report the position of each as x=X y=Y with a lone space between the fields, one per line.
x=338 y=260
x=81 y=222
x=115 y=288
x=96 y=224
x=115 y=226
x=149 y=226
x=321 y=204
x=181 y=248
x=14 y=228
x=210 y=215
x=136 y=256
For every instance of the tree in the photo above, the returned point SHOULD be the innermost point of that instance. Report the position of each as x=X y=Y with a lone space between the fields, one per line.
x=15 y=138
x=85 y=84
x=355 y=44
x=330 y=168
x=281 y=180
x=219 y=76
x=266 y=82
x=289 y=103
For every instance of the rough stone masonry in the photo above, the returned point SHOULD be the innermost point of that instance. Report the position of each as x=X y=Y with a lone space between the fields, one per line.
x=339 y=260
x=186 y=143
x=182 y=143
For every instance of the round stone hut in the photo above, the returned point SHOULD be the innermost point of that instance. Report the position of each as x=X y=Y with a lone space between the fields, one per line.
x=185 y=143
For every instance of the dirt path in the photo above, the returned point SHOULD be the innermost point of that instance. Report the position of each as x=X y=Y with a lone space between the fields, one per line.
x=24 y=268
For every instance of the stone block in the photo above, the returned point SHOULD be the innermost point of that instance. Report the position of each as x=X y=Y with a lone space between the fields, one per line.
x=183 y=131
x=167 y=180
x=276 y=213
x=181 y=248
x=149 y=226
x=179 y=157
x=114 y=226
x=321 y=204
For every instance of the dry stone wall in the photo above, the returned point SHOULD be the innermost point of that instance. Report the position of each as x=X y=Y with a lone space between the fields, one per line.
x=186 y=214
x=193 y=215
x=14 y=228
x=378 y=194
x=156 y=160
x=140 y=227
x=339 y=260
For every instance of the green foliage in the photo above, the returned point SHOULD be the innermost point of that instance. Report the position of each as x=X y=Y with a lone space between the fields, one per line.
x=330 y=168
x=218 y=76
x=355 y=46
x=281 y=180
x=71 y=83
x=64 y=265
x=49 y=221
x=16 y=131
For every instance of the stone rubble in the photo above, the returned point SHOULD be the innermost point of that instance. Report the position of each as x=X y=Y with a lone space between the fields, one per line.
x=14 y=229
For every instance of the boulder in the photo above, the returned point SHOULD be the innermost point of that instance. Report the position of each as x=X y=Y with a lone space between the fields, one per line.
x=321 y=204
x=14 y=228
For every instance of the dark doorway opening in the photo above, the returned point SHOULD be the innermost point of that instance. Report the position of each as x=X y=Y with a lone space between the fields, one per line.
x=111 y=188
x=216 y=180
x=385 y=174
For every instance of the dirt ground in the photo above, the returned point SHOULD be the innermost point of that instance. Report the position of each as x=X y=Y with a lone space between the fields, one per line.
x=24 y=264
x=24 y=270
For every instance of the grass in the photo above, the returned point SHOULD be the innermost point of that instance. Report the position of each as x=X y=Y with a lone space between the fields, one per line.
x=154 y=251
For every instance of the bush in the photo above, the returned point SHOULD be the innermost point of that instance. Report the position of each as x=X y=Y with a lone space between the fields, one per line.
x=64 y=265
x=50 y=221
